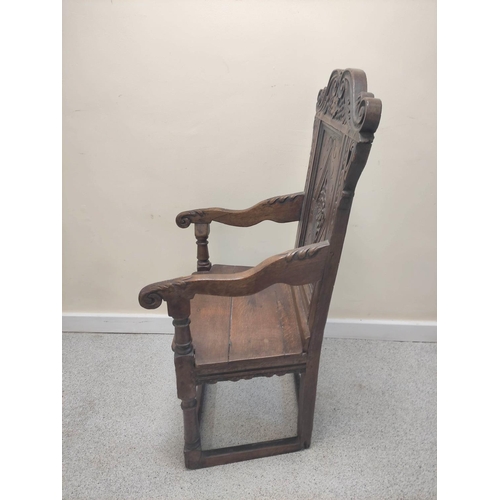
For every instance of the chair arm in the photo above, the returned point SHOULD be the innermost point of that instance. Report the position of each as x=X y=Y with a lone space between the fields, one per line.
x=295 y=267
x=285 y=208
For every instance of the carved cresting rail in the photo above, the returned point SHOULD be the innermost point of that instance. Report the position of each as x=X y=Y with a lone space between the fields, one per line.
x=345 y=101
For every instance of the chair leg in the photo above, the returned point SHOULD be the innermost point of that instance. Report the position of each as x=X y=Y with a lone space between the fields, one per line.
x=192 y=441
x=307 y=400
x=196 y=458
x=186 y=391
x=200 y=394
x=191 y=404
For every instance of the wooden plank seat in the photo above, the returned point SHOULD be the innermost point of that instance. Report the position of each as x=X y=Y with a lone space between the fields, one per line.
x=232 y=335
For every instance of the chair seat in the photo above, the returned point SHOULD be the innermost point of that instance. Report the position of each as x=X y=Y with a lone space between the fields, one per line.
x=255 y=331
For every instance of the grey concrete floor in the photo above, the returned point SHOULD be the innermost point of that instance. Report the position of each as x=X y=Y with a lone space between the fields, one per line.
x=374 y=430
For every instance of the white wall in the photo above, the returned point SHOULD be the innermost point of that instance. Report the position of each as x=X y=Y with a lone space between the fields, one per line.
x=174 y=105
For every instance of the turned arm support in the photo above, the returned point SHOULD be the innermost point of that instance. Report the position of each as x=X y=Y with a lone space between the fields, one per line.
x=285 y=208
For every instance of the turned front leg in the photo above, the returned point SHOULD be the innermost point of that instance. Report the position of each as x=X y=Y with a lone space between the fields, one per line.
x=201 y=232
x=186 y=392
x=186 y=385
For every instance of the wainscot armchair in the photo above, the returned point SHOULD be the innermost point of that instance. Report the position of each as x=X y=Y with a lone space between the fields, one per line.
x=234 y=322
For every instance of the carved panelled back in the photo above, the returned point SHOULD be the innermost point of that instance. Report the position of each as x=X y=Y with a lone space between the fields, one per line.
x=346 y=118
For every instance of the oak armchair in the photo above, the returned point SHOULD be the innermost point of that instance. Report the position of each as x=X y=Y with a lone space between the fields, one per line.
x=234 y=322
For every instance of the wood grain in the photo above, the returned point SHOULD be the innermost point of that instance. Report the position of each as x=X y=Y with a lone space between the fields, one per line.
x=289 y=321
x=211 y=321
x=244 y=328
x=255 y=329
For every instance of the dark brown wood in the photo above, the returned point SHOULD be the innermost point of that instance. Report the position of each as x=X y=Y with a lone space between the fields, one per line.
x=184 y=370
x=251 y=451
x=235 y=323
x=247 y=369
x=301 y=305
x=244 y=368
x=295 y=267
x=200 y=394
x=238 y=335
x=296 y=379
x=201 y=232
x=211 y=322
x=286 y=208
x=256 y=328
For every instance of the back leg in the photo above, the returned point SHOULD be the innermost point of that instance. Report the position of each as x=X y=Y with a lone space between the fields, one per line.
x=307 y=400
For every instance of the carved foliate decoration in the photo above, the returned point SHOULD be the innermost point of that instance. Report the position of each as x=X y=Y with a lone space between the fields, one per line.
x=328 y=173
x=302 y=253
x=151 y=297
x=323 y=184
x=346 y=118
x=347 y=115
x=184 y=219
x=321 y=209
x=346 y=101
x=283 y=199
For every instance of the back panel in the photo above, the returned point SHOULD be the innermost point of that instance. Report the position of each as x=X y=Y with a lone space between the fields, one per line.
x=324 y=185
x=346 y=118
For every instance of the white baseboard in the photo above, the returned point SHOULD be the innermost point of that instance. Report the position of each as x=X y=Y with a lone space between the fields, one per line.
x=410 y=331
x=117 y=323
